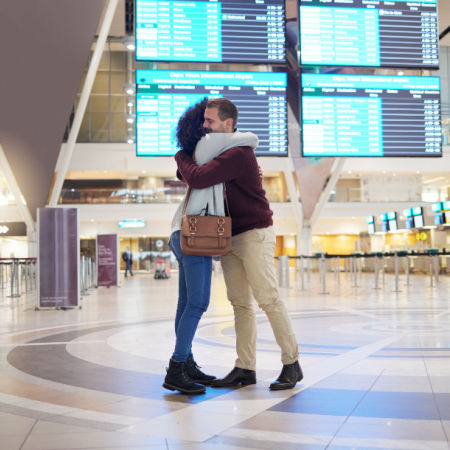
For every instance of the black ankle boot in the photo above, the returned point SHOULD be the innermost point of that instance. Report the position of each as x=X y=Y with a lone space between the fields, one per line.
x=177 y=379
x=235 y=377
x=193 y=370
x=290 y=374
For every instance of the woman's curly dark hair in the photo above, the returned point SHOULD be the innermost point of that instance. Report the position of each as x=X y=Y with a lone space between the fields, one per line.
x=190 y=127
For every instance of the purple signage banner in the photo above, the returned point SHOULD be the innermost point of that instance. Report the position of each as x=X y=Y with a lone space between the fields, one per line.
x=107 y=263
x=58 y=258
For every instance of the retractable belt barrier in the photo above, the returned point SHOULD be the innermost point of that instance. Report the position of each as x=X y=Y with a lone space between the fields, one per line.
x=17 y=276
x=353 y=266
x=88 y=274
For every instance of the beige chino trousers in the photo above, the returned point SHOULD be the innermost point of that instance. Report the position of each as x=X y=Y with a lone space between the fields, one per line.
x=248 y=269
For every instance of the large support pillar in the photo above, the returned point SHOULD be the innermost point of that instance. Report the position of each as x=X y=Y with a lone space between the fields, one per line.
x=336 y=170
x=306 y=239
x=32 y=244
x=297 y=207
x=15 y=190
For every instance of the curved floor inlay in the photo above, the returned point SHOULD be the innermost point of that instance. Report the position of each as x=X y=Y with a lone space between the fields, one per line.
x=56 y=364
x=377 y=374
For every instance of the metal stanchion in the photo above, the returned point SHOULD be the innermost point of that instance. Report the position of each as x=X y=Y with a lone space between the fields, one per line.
x=351 y=270
x=30 y=274
x=2 y=275
x=302 y=274
x=283 y=271
x=34 y=274
x=308 y=273
x=82 y=275
x=89 y=272
x=430 y=264
x=86 y=275
x=11 y=280
x=18 y=286
x=376 y=271
x=396 y=272
x=354 y=270
x=94 y=273
x=14 y=281
x=323 y=273
x=27 y=276
x=436 y=267
x=19 y=278
x=20 y=274
x=407 y=269
x=337 y=277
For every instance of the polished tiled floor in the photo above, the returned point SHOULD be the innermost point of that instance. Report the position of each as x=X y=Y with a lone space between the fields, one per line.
x=376 y=365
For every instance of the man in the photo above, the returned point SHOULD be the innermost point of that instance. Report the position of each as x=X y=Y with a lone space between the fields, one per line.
x=248 y=268
x=127 y=256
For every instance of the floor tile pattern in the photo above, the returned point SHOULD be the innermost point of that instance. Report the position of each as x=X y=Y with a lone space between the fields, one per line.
x=376 y=365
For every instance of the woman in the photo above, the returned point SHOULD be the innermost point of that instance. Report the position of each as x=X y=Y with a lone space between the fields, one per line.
x=183 y=374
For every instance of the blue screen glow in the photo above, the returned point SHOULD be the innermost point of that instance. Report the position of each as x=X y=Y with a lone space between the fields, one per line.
x=250 y=31
x=370 y=115
x=163 y=95
x=376 y=33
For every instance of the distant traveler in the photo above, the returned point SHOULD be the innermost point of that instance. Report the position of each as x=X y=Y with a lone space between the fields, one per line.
x=127 y=256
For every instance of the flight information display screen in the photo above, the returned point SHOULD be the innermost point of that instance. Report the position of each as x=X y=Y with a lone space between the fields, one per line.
x=247 y=31
x=163 y=95
x=376 y=33
x=371 y=115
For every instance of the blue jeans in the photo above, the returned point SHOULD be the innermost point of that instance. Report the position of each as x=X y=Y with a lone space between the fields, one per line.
x=128 y=265
x=194 y=287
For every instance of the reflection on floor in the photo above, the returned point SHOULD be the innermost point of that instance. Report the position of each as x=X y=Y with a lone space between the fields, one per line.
x=376 y=365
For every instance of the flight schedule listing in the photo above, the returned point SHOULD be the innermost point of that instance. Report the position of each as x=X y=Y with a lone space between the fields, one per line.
x=163 y=95
x=376 y=33
x=371 y=115
x=250 y=31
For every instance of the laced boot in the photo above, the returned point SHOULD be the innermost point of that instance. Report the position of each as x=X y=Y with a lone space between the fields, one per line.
x=177 y=379
x=193 y=370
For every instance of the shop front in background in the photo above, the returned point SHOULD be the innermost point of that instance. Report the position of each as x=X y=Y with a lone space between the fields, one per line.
x=145 y=250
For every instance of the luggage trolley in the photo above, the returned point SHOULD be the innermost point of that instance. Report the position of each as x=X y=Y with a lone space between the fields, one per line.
x=162 y=268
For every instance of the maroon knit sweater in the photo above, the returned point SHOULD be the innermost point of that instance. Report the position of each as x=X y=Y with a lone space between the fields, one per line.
x=238 y=168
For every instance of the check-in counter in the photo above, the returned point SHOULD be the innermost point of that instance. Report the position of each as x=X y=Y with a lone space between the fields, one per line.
x=422 y=263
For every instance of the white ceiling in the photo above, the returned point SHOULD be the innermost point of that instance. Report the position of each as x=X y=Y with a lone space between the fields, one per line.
x=118 y=23
x=444 y=19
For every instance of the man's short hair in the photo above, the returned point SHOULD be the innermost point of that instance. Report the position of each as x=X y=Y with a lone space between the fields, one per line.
x=226 y=109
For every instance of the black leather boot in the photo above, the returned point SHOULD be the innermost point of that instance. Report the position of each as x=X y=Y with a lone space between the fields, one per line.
x=177 y=379
x=193 y=370
x=290 y=374
x=235 y=377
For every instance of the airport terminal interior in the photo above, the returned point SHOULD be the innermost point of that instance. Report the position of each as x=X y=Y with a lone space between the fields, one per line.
x=353 y=121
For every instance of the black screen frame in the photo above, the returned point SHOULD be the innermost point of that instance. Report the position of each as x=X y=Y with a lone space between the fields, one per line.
x=300 y=93
x=285 y=154
x=230 y=61
x=384 y=66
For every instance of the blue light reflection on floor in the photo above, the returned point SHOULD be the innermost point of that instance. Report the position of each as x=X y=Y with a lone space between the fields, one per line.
x=381 y=404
